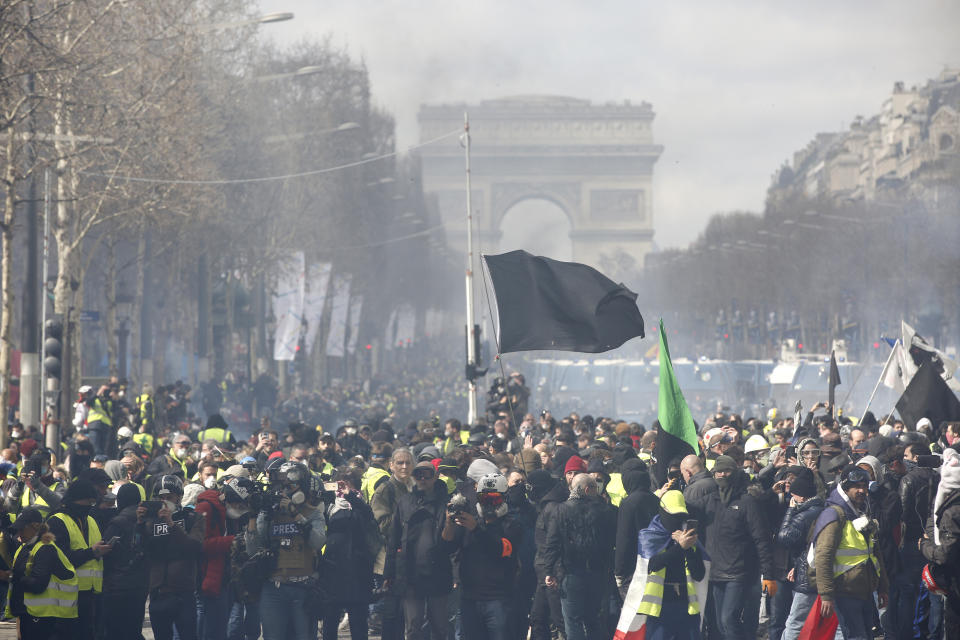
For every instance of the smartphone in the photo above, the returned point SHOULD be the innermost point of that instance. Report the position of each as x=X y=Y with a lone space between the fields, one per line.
x=689 y=525
x=329 y=486
x=114 y=540
x=791 y=452
x=152 y=506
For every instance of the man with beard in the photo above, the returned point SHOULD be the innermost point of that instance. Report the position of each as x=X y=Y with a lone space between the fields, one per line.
x=847 y=569
x=739 y=544
x=578 y=558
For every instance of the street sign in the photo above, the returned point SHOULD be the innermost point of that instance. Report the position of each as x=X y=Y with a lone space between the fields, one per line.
x=89 y=315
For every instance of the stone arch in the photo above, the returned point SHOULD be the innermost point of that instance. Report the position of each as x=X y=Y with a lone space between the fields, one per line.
x=539 y=225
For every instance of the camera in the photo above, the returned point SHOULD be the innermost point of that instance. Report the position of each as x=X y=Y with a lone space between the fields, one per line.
x=458 y=504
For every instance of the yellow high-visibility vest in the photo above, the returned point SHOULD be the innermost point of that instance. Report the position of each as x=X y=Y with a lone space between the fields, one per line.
x=854 y=549
x=59 y=599
x=615 y=489
x=370 y=479
x=90 y=573
x=38 y=502
x=215 y=433
x=652 y=600
x=99 y=413
x=145 y=440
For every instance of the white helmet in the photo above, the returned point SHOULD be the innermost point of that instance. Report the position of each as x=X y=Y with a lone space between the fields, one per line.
x=124 y=433
x=492 y=482
x=756 y=442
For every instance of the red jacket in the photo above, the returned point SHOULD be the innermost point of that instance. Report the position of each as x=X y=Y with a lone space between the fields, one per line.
x=216 y=545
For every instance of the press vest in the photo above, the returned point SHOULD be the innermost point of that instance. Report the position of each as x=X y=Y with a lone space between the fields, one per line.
x=295 y=556
x=90 y=573
x=370 y=479
x=652 y=600
x=98 y=413
x=59 y=600
x=38 y=502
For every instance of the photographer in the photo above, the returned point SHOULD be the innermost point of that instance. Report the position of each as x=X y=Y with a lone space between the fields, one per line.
x=173 y=543
x=125 y=575
x=353 y=541
x=292 y=527
x=37 y=487
x=223 y=511
x=418 y=563
x=488 y=564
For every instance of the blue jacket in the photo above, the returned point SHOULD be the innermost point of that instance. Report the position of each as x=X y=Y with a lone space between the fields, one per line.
x=794 y=534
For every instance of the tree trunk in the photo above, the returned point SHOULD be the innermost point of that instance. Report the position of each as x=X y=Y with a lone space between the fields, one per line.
x=110 y=321
x=6 y=292
x=135 y=326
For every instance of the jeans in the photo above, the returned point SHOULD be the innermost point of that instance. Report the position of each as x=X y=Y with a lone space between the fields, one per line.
x=737 y=608
x=244 y=621
x=283 y=613
x=580 y=598
x=928 y=618
x=173 y=609
x=780 y=605
x=897 y=620
x=212 y=615
x=418 y=610
x=357 y=613
x=124 y=617
x=97 y=434
x=484 y=619
x=856 y=617
x=86 y=615
x=674 y=623
x=799 y=610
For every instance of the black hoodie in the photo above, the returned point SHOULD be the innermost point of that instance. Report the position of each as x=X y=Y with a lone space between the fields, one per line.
x=549 y=505
x=636 y=512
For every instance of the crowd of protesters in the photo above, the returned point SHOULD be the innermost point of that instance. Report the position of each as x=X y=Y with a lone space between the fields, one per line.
x=516 y=526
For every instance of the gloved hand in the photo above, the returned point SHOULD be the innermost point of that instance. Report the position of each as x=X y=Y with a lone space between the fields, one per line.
x=770 y=587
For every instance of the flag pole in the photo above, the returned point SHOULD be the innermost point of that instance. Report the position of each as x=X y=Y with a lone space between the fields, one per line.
x=471 y=326
x=879 y=380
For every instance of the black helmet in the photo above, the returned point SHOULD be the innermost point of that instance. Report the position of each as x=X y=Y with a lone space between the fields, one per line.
x=238 y=489
x=169 y=484
x=294 y=473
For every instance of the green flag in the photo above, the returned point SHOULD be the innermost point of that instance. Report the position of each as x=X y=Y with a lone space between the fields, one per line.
x=672 y=411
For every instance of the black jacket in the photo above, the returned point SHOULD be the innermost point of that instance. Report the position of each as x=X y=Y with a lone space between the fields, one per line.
x=917 y=490
x=548 y=509
x=794 y=536
x=46 y=563
x=353 y=541
x=418 y=559
x=636 y=512
x=581 y=539
x=947 y=553
x=738 y=540
x=885 y=506
x=488 y=560
x=125 y=567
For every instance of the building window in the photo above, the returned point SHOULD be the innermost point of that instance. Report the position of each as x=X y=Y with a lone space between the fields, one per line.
x=946 y=142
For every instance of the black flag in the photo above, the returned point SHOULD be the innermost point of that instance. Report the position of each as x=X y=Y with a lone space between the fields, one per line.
x=548 y=304
x=928 y=396
x=833 y=382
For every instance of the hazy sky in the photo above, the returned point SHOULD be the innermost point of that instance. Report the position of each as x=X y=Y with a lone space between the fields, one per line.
x=737 y=86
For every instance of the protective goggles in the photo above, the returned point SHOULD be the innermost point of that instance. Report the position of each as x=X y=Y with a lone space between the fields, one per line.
x=490 y=499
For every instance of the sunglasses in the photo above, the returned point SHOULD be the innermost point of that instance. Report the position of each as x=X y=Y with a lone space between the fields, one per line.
x=422 y=475
x=490 y=499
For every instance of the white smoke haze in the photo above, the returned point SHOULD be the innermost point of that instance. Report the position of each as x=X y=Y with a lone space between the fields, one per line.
x=737 y=87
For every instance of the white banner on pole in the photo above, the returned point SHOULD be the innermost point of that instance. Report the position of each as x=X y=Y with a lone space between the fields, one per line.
x=390 y=333
x=338 y=316
x=406 y=326
x=356 y=306
x=318 y=279
x=288 y=306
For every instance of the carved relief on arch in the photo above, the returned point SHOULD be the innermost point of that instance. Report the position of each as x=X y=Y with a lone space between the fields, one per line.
x=565 y=195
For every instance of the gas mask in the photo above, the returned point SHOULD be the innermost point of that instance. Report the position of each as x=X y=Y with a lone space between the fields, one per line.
x=351 y=431
x=169 y=506
x=234 y=513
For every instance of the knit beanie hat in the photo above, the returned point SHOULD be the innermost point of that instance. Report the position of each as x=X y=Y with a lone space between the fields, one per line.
x=803 y=484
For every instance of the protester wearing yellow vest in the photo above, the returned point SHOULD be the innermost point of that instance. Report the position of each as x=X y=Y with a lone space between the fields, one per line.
x=146 y=413
x=669 y=587
x=43 y=590
x=844 y=564
x=40 y=489
x=78 y=537
x=100 y=419
x=217 y=430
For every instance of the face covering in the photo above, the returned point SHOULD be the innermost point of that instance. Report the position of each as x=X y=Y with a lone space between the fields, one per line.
x=298 y=497
x=169 y=506
x=516 y=494
x=235 y=513
x=78 y=510
x=180 y=454
x=32 y=540
x=910 y=465
x=351 y=431
x=722 y=483
x=670 y=521
x=210 y=482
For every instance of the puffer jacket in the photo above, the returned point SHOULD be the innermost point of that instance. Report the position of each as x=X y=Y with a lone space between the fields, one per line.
x=861 y=581
x=794 y=535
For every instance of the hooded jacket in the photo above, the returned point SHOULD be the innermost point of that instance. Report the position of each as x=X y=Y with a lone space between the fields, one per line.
x=548 y=509
x=737 y=536
x=794 y=536
x=635 y=514
x=124 y=567
x=580 y=539
x=859 y=582
x=216 y=544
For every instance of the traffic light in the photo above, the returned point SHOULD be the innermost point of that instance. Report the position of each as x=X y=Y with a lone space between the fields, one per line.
x=53 y=348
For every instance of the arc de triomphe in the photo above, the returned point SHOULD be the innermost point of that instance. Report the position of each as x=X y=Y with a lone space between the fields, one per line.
x=593 y=161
